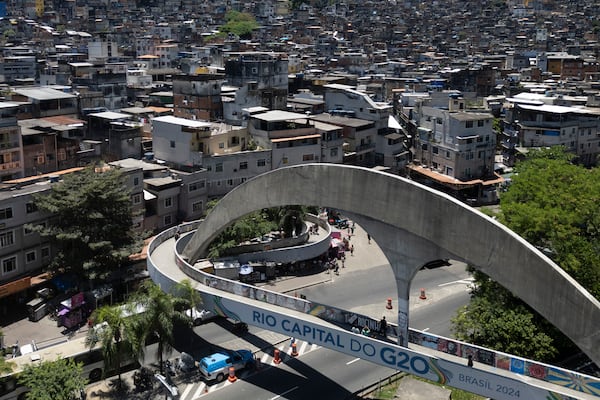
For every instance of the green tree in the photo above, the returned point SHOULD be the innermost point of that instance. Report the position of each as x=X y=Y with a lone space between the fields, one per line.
x=240 y=24
x=161 y=313
x=114 y=333
x=190 y=297
x=91 y=224
x=53 y=380
x=5 y=366
x=252 y=225
x=496 y=319
x=553 y=204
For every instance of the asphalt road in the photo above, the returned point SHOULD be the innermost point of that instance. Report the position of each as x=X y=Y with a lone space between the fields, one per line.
x=319 y=374
x=365 y=291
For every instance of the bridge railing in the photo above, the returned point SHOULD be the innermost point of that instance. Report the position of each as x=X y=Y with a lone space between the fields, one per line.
x=545 y=372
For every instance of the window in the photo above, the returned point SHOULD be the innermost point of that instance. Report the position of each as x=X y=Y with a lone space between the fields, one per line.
x=9 y=265
x=7 y=239
x=168 y=220
x=480 y=123
x=469 y=124
x=197 y=185
x=26 y=231
x=6 y=213
x=221 y=145
x=45 y=252
x=333 y=152
x=136 y=181
x=261 y=163
x=438 y=121
x=244 y=165
x=137 y=199
x=284 y=160
x=308 y=157
x=30 y=207
x=219 y=167
x=435 y=150
x=168 y=202
x=197 y=207
x=424 y=147
x=30 y=257
x=172 y=144
x=229 y=182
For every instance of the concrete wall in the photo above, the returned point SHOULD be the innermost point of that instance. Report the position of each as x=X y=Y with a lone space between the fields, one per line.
x=421 y=212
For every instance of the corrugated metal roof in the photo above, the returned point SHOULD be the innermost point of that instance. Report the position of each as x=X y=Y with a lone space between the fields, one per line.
x=42 y=93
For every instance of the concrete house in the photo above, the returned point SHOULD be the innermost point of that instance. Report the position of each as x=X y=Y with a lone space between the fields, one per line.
x=292 y=137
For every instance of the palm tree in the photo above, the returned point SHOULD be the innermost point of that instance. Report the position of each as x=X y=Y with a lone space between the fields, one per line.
x=112 y=331
x=186 y=294
x=161 y=311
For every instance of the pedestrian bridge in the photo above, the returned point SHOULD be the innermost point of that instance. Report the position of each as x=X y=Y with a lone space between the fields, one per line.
x=429 y=224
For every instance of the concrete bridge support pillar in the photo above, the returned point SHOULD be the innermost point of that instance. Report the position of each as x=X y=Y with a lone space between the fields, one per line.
x=406 y=253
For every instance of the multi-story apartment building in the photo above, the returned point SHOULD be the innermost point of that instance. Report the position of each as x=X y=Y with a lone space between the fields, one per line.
x=198 y=96
x=358 y=147
x=532 y=124
x=381 y=141
x=11 y=148
x=120 y=134
x=44 y=102
x=292 y=137
x=264 y=74
x=101 y=85
x=455 y=149
x=17 y=69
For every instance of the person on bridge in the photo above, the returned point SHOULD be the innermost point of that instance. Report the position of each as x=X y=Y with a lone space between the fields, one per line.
x=383 y=327
x=366 y=331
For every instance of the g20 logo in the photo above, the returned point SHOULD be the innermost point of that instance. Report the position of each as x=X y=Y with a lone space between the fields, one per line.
x=401 y=360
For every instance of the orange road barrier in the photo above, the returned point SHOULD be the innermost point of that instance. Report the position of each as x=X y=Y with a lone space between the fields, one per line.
x=232 y=377
x=276 y=358
x=422 y=296
x=389 y=303
x=294 y=350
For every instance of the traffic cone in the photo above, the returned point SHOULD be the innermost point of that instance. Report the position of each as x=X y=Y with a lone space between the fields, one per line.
x=294 y=350
x=389 y=303
x=232 y=377
x=276 y=358
x=422 y=296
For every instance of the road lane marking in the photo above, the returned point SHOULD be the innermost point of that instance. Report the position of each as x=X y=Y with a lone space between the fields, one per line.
x=352 y=361
x=199 y=391
x=303 y=347
x=264 y=358
x=187 y=390
x=465 y=281
x=284 y=393
x=425 y=330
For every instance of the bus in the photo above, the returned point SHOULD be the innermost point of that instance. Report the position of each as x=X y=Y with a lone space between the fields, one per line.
x=91 y=360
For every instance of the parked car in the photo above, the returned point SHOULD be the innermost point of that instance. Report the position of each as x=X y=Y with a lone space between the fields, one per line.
x=216 y=366
x=200 y=316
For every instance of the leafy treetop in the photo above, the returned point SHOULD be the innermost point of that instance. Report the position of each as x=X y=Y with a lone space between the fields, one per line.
x=91 y=223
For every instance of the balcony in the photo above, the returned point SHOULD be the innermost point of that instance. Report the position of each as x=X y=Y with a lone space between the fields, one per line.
x=364 y=148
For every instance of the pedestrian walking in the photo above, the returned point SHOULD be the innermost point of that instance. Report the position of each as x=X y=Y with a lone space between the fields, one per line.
x=352 y=250
x=369 y=238
x=352 y=229
x=336 y=269
x=470 y=361
x=343 y=266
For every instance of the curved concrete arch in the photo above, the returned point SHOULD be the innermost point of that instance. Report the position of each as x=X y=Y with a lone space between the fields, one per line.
x=433 y=222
